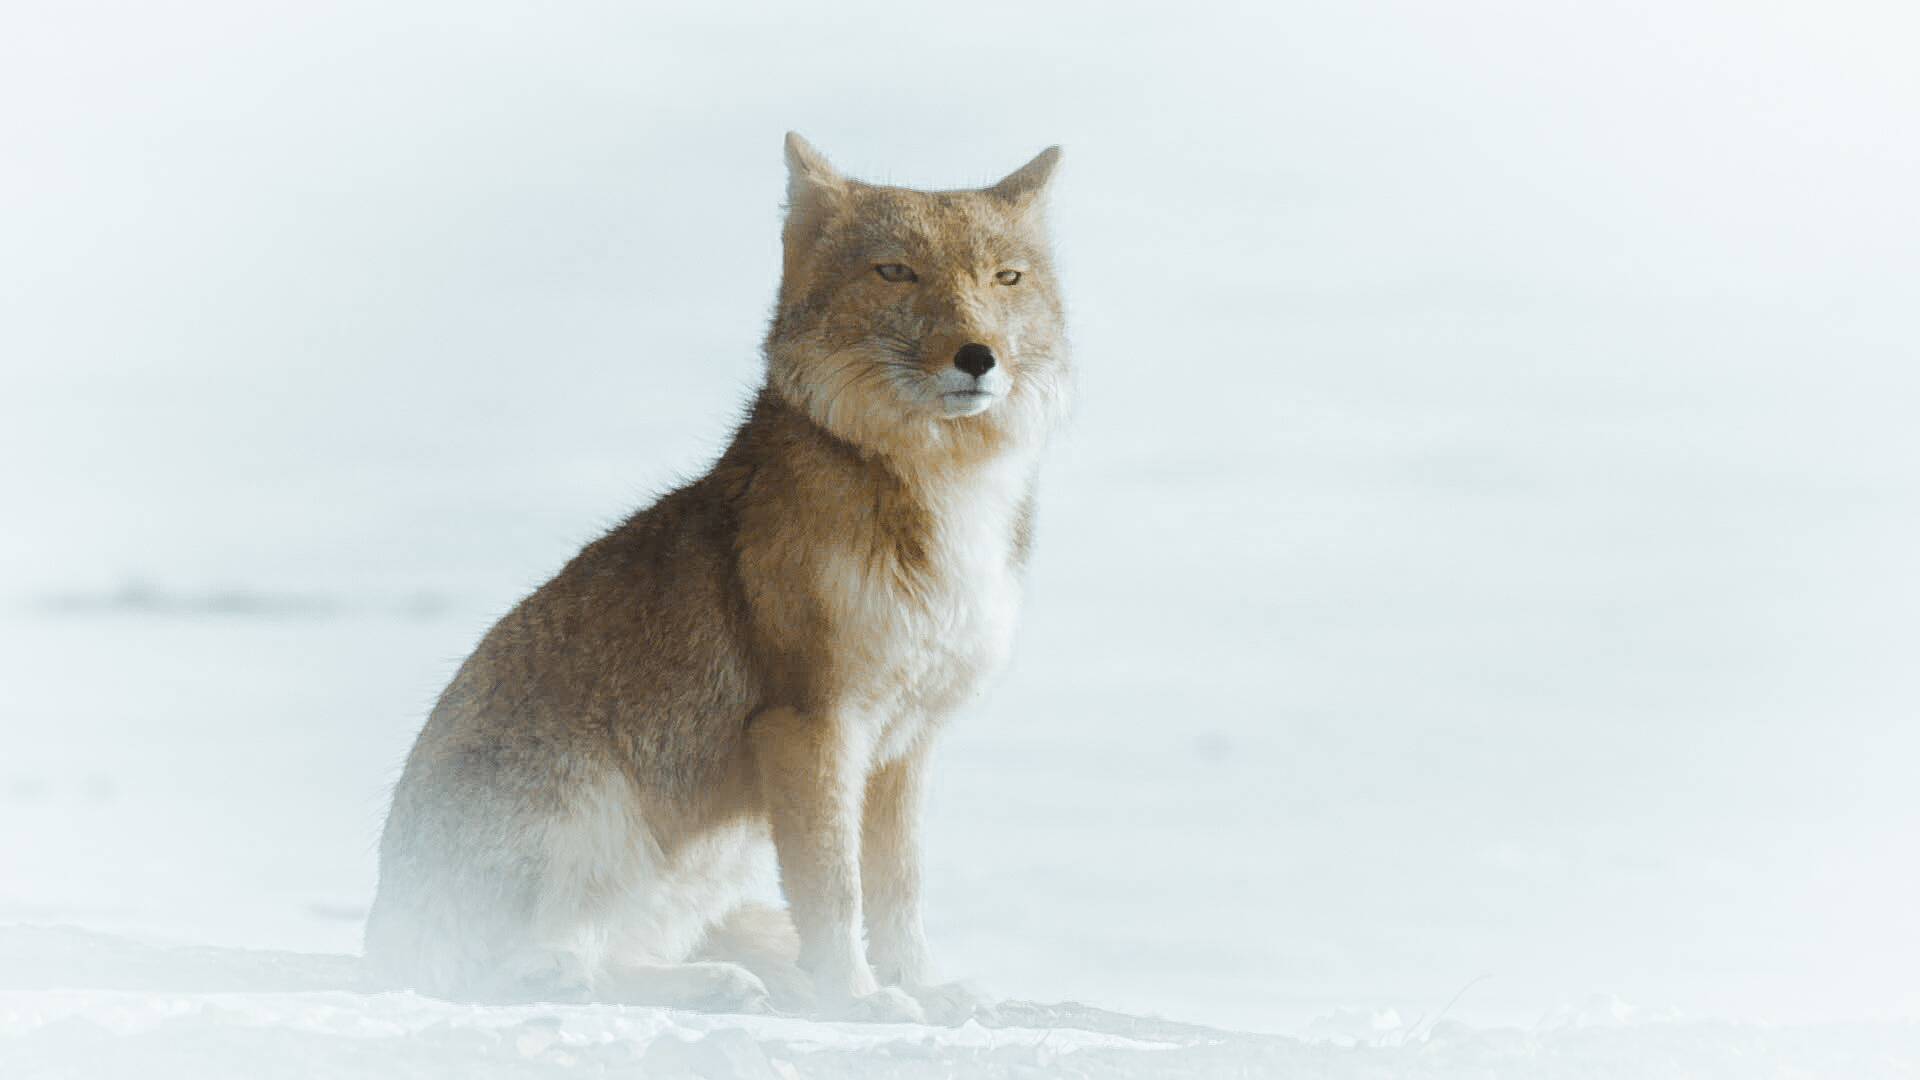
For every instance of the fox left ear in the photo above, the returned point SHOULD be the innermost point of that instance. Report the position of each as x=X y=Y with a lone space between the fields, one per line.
x=814 y=186
x=808 y=170
x=1024 y=186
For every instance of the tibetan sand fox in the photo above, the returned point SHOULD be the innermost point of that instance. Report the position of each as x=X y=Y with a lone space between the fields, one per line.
x=757 y=664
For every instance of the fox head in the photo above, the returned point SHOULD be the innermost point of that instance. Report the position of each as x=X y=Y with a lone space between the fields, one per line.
x=917 y=323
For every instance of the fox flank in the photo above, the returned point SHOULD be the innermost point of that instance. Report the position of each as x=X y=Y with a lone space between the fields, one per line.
x=754 y=669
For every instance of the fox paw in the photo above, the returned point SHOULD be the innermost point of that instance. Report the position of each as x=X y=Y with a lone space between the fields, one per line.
x=952 y=1004
x=887 y=1005
x=725 y=988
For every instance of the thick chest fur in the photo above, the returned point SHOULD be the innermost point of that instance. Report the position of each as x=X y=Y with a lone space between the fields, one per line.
x=921 y=602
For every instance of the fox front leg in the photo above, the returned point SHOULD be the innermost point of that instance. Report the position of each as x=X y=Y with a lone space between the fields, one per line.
x=812 y=771
x=890 y=880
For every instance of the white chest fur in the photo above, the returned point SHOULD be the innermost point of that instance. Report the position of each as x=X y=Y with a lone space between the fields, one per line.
x=922 y=639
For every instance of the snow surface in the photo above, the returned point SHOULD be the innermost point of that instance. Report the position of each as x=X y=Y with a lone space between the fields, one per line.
x=1484 y=547
x=296 y=1015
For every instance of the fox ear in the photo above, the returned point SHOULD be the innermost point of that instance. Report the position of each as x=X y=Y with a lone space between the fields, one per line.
x=1024 y=186
x=813 y=184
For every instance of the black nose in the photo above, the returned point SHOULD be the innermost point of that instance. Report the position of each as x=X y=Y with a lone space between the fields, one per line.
x=974 y=358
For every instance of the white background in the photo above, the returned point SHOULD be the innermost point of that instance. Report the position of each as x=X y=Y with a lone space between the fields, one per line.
x=1485 y=543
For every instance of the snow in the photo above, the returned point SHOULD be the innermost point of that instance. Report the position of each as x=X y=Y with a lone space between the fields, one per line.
x=280 y=1019
x=1483 y=547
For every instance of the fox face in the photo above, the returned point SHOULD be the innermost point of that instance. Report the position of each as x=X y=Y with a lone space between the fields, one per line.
x=913 y=322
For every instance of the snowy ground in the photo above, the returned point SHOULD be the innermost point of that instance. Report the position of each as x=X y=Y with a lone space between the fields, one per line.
x=1485 y=546
x=256 y=1014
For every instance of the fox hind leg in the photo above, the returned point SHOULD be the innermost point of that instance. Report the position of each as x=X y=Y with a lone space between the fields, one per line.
x=613 y=918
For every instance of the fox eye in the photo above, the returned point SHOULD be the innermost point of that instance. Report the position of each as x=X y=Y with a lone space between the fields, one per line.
x=1008 y=277
x=896 y=272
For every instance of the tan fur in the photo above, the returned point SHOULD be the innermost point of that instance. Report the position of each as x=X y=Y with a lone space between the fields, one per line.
x=756 y=665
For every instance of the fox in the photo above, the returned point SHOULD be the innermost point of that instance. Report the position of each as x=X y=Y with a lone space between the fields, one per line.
x=748 y=676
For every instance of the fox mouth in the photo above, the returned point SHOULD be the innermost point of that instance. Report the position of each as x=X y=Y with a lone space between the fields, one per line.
x=960 y=403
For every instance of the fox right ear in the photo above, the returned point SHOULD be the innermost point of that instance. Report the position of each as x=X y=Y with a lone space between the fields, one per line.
x=813 y=185
x=1025 y=185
